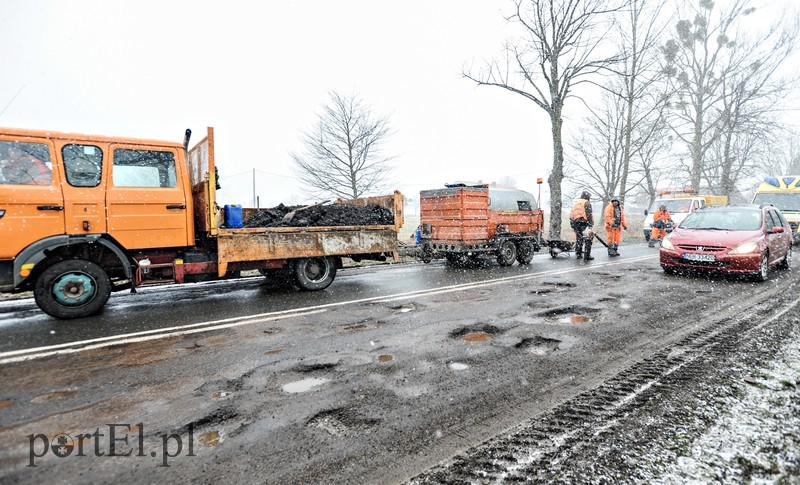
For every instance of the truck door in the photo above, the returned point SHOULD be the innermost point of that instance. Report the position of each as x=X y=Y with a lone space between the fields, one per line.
x=147 y=205
x=31 y=204
x=84 y=190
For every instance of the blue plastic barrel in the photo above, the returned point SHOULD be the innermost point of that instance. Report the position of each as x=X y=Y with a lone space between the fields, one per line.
x=418 y=235
x=233 y=215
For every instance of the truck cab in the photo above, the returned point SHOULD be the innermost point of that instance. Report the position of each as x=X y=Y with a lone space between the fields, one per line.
x=784 y=193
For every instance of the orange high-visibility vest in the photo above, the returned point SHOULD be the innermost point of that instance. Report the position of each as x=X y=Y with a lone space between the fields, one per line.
x=578 y=210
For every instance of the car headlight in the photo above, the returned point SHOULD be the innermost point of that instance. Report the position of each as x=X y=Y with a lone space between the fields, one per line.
x=666 y=244
x=745 y=248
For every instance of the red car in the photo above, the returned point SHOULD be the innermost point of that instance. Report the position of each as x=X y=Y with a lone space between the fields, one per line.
x=746 y=239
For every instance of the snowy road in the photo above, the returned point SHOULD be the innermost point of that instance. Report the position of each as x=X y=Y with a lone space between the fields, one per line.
x=608 y=371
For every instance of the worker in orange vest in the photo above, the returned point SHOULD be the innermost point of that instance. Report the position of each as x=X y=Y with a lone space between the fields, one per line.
x=614 y=217
x=661 y=219
x=581 y=221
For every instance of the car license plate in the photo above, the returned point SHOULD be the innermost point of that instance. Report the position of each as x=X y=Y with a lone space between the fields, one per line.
x=699 y=257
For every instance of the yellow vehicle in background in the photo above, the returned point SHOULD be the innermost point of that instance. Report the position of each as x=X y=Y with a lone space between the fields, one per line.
x=784 y=193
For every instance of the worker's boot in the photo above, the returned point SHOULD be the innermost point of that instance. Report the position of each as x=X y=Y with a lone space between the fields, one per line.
x=652 y=243
x=616 y=250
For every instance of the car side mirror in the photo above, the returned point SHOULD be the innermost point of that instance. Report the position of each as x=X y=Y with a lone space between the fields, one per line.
x=645 y=212
x=776 y=230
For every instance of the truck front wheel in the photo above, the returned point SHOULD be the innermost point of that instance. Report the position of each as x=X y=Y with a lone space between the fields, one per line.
x=314 y=273
x=72 y=289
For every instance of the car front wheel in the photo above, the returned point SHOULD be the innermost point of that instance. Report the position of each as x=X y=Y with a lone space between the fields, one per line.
x=763 y=268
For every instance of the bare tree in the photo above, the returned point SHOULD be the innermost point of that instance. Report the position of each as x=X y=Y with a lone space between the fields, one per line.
x=640 y=30
x=342 y=155
x=784 y=158
x=557 y=51
x=751 y=95
x=694 y=61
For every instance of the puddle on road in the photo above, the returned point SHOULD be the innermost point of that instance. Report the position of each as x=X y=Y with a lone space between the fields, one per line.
x=273 y=351
x=476 y=337
x=50 y=396
x=385 y=358
x=355 y=326
x=625 y=306
x=5 y=404
x=575 y=319
x=457 y=366
x=210 y=438
x=539 y=345
x=303 y=385
x=220 y=394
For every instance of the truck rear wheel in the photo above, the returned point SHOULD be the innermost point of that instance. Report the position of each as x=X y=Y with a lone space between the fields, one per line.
x=72 y=289
x=506 y=253
x=314 y=273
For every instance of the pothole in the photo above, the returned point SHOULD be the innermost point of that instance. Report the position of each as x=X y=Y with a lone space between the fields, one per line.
x=341 y=422
x=307 y=367
x=476 y=333
x=220 y=394
x=304 y=385
x=5 y=404
x=273 y=351
x=405 y=308
x=560 y=284
x=539 y=345
x=356 y=326
x=542 y=291
x=574 y=319
x=385 y=358
x=211 y=438
x=457 y=366
x=562 y=310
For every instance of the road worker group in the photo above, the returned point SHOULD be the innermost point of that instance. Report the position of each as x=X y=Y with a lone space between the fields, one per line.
x=581 y=221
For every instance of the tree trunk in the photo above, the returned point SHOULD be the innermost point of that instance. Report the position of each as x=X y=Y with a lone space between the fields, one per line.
x=556 y=176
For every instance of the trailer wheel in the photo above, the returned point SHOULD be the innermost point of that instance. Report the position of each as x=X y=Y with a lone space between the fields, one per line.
x=314 y=273
x=72 y=289
x=525 y=252
x=506 y=253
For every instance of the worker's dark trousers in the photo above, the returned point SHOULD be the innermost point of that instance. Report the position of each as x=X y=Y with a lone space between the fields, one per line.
x=583 y=245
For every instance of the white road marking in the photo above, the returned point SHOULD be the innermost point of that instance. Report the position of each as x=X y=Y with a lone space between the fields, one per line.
x=81 y=345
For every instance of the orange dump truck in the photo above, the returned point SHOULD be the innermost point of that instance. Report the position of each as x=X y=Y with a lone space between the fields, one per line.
x=82 y=216
x=463 y=222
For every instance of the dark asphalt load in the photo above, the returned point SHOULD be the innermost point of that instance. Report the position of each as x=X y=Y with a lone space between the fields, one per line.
x=600 y=372
x=322 y=215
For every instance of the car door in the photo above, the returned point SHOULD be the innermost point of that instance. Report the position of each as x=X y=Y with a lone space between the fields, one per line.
x=31 y=202
x=782 y=241
x=775 y=241
x=147 y=206
x=84 y=190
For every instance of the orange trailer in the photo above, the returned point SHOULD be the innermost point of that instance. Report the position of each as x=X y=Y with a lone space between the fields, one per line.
x=462 y=222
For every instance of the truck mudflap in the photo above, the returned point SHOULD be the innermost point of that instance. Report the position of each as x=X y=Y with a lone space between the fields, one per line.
x=260 y=244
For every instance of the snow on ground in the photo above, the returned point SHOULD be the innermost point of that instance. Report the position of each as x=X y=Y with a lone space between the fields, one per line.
x=758 y=438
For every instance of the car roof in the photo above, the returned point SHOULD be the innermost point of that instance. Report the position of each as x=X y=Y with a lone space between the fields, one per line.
x=735 y=208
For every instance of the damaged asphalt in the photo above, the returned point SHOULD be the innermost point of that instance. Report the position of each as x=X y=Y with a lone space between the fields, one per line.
x=395 y=388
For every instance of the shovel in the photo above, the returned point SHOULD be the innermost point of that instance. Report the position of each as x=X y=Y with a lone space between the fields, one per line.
x=289 y=215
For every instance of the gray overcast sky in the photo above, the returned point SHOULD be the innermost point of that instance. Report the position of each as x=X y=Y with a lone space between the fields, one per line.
x=260 y=71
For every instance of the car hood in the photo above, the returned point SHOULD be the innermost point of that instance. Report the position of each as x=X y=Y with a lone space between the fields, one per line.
x=704 y=237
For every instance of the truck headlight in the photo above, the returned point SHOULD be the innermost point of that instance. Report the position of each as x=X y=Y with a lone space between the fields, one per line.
x=745 y=248
x=666 y=244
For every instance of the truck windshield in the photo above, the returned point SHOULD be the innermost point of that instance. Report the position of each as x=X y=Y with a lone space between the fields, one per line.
x=724 y=220
x=786 y=202
x=673 y=205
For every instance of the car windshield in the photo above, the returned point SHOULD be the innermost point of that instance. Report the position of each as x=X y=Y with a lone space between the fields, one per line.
x=784 y=202
x=673 y=205
x=724 y=220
